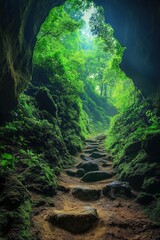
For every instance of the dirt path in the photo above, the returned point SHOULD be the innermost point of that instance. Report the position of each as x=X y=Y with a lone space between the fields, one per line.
x=121 y=218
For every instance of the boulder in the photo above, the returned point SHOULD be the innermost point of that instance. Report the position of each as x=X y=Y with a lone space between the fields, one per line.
x=74 y=221
x=45 y=101
x=13 y=193
x=116 y=189
x=152 y=145
x=80 y=173
x=96 y=155
x=86 y=194
x=133 y=148
x=135 y=180
x=151 y=185
x=145 y=198
x=89 y=166
x=96 y=176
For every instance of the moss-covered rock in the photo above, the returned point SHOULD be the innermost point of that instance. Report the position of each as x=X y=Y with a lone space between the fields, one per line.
x=151 y=185
x=152 y=145
x=133 y=148
x=45 y=101
x=145 y=198
x=154 y=212
x=14 y=193
x=15 y=210
x=96 y=176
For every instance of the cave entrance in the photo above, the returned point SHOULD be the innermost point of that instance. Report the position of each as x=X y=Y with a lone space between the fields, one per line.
x=76 y=63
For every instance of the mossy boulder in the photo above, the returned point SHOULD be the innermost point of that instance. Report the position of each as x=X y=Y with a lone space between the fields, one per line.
x=152 y=145
x=136 y=170
x=145 y=198
x=14 y=193
x=45 y=101
x=15 y=211
x=133 y=148
x=154 y=213
x=151 y=185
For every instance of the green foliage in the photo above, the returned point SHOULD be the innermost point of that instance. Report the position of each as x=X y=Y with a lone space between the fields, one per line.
x=24 y=219
x=153 y=211
x=132 y=125
x=7 y=162
x=131 y=143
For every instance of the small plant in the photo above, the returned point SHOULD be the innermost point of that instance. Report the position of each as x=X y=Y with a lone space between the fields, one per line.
x=7 y=161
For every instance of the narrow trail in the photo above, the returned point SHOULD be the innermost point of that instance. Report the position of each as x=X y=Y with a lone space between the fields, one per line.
x=119 y=217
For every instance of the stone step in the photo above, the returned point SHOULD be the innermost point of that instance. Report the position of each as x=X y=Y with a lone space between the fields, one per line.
x=90 y=146
x=74 y=221
x=91 y=141
x=86 y=194
x=97 y=155
x=91 y=150
x=88 y=166
x=96 y=176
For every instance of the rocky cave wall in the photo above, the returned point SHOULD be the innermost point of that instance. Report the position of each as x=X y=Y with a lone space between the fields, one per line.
x=20 y=21
x=136 y=25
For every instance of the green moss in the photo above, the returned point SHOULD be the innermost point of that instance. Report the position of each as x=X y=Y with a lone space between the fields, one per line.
x=130 y=140
x=16 y=209
x=153 y=211
x=151 y=185
x=22 y=222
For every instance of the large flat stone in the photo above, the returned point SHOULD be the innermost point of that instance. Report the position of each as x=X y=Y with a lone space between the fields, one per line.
x=89 y=166
x=74 y=221
x=96 y=155
x=96 y=176
x=86 y=194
